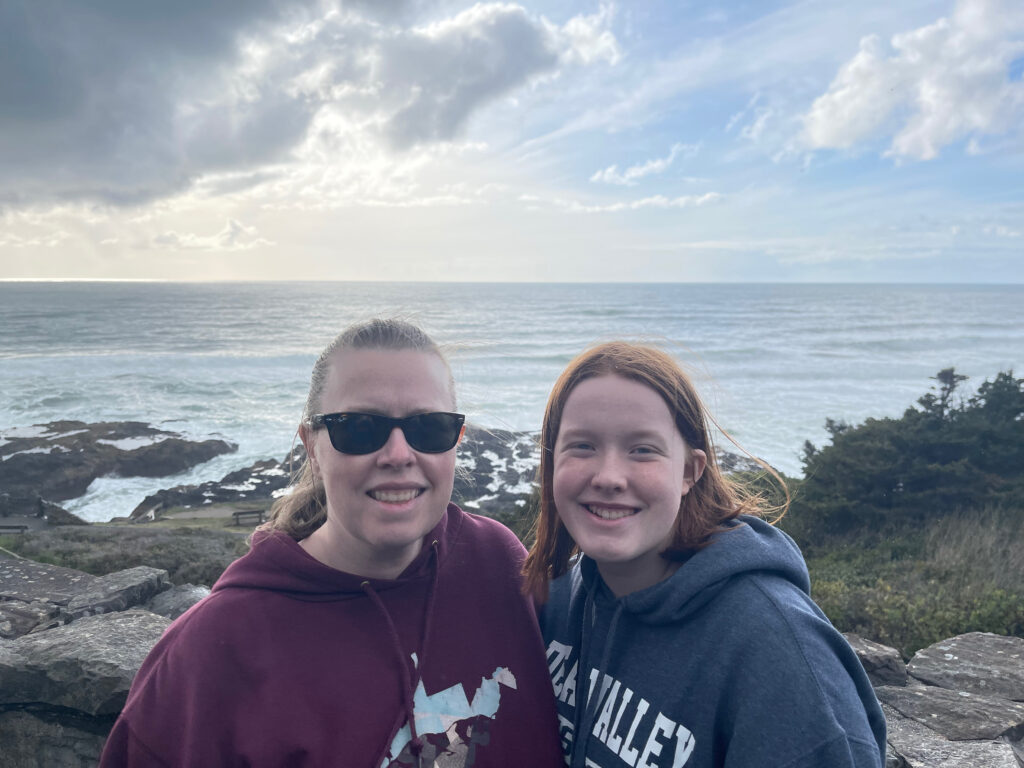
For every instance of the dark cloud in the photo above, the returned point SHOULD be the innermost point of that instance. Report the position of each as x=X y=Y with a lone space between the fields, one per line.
x=124 y=101
x=456 y=66
x=92 y=95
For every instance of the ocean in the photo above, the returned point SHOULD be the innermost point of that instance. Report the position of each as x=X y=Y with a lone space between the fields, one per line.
x=232 y=360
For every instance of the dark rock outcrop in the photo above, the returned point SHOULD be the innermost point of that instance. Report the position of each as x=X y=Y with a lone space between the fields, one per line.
x=257 y=483
x=496 y=470
x=34 y=512
x=58 y=461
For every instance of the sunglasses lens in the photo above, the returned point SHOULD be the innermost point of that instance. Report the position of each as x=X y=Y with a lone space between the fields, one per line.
x=357 y=433
x=433 y=432
x=362 y=433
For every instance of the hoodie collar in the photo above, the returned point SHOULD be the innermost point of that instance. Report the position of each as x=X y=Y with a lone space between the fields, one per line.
x=276 y=562
x=745 y=545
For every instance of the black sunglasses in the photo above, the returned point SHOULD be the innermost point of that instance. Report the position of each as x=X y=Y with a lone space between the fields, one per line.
x=362 y=433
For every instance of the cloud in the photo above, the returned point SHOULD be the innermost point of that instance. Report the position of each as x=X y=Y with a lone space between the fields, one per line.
x=754 y=130
x=443 y=72
x=629 y=177
x=655 y=201
x=234 y=237
x=939 y=84
x=1002 y=231
x=126 y=103
x=49 y=240
x=588 y=40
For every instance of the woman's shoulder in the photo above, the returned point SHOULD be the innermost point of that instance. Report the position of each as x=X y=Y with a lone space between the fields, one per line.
x=215 y=620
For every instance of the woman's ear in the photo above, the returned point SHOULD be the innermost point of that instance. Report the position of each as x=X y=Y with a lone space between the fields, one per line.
x=462 y=434
x=308 y=438
x=695 y=465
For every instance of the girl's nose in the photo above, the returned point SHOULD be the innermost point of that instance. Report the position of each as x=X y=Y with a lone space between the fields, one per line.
x=396 y=451
x=610 y=474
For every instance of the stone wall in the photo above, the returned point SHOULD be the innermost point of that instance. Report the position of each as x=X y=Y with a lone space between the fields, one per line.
x=70 y=645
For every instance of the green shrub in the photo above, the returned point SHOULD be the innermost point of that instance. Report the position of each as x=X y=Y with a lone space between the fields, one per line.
x=947 y=454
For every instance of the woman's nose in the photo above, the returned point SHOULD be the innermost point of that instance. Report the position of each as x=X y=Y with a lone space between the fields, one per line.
x=396 y=451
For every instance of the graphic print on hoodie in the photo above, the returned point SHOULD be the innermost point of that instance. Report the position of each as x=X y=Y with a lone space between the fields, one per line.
x=727 y=662
x=450 y=724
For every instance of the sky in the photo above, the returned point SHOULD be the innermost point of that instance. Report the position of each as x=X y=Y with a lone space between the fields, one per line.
x=548 y=140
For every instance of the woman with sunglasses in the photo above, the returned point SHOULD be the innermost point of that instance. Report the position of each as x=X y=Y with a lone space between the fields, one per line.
x=372 y=623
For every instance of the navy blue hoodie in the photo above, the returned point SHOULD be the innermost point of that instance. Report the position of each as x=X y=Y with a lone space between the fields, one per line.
x=728 y=663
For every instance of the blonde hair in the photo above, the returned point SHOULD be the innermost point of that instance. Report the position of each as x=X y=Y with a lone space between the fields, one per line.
x=305 y=509
x=714 y=498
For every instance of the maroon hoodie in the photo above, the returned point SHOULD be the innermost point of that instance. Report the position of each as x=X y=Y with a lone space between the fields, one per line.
x=292 y=663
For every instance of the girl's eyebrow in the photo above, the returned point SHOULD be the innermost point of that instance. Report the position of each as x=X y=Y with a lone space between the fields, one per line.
x=638 y=434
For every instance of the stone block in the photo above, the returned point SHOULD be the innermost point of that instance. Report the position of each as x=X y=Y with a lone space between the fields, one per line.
x=883 y=664
x=118 y=591
x=920 y=747
x=176 y=600
x=31 y=741
x=977 y=662
x=28 y=581
x=956 y=715
x=17 y=618
x=87 y=665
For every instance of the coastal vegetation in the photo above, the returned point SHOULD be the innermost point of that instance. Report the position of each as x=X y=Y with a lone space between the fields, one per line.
x=913 y=527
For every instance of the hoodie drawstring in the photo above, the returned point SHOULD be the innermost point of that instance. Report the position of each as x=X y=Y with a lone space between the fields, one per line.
x=410 y=682
x=585 y=715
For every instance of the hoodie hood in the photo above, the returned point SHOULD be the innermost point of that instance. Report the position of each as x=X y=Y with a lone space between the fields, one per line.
x=277 y=563
x=747 y=545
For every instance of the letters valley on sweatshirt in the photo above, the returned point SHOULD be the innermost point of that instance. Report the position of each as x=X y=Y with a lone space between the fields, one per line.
x=625 y=723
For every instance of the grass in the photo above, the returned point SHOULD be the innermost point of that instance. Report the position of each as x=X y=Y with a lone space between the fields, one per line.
x=957 y=574
x=196 y=553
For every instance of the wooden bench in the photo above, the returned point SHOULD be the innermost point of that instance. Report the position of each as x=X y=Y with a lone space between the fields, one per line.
x=258 y=514
x=12 y=528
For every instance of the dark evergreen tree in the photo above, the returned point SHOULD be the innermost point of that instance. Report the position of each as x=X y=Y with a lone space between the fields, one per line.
x=947 y=454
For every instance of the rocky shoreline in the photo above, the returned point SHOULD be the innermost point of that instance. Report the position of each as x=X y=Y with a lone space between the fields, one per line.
x=71 y=643
x=58 y=461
